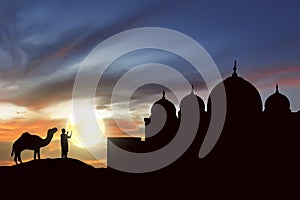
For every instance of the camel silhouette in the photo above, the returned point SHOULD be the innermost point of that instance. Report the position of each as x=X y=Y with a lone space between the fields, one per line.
x=31 y=142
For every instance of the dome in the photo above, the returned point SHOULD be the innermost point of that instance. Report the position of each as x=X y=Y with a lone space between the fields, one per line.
x=242 y=97
x=192 y=95
x=168 y=105
x=277 y=103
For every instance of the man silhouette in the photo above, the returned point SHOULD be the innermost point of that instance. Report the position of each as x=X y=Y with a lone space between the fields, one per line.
x=64 y=142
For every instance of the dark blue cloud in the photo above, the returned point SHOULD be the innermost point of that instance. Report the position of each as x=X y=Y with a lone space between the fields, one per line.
x=41 y=38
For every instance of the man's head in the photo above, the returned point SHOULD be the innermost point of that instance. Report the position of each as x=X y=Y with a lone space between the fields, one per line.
x=63 y=130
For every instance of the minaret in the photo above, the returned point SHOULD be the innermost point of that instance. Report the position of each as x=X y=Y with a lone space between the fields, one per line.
x=277 y=91
x=192 y=91
x=234 y=74
x=164 y=93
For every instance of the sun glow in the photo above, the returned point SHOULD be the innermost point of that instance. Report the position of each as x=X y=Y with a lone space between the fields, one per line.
x=87 y=137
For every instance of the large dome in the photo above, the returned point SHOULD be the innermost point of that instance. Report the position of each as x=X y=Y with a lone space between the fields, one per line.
x=242 y=97
x=277 y=103
x=168 y=105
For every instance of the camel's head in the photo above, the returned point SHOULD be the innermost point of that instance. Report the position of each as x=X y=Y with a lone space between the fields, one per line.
x=52 y=131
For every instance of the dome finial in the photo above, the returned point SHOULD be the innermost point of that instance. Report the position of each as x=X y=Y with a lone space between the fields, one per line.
x=234 y=69
x=277 y=91
x=192 y=92
x=164 y=93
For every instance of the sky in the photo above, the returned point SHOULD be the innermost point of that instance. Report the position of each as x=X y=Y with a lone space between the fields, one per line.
x=43 y=44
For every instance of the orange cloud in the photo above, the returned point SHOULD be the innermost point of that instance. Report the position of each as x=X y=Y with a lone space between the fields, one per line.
x=113 y=130
x=97 y=163
x=11 y=130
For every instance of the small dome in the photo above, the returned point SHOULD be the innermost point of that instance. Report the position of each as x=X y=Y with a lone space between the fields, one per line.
x=277 y=103
x=168 y=105
x=192 y=95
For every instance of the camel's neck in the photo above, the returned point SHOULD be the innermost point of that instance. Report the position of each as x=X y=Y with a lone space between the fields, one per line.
x=47 y=140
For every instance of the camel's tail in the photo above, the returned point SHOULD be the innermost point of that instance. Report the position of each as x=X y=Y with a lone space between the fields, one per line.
x=12 y=151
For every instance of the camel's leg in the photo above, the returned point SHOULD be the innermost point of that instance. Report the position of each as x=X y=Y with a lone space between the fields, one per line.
x=19 y=157
x=39 y=153
x=34 y=155
x=15 y=158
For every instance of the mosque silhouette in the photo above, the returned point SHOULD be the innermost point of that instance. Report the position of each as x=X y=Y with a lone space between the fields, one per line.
x=253 y=138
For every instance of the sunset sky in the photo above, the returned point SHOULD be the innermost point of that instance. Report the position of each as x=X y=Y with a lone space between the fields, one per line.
x=43 y=43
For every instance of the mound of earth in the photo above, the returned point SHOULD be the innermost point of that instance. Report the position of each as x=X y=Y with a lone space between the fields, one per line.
x=49 y=168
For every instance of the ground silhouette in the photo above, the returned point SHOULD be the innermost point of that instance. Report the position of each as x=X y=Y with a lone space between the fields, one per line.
x=31 y=142
x=50 y=178
x=47 y=168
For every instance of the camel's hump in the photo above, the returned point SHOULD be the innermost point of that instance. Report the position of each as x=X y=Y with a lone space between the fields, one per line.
x=26 y=134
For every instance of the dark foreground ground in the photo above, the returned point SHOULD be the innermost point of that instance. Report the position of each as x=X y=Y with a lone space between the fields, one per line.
x=59 y=178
